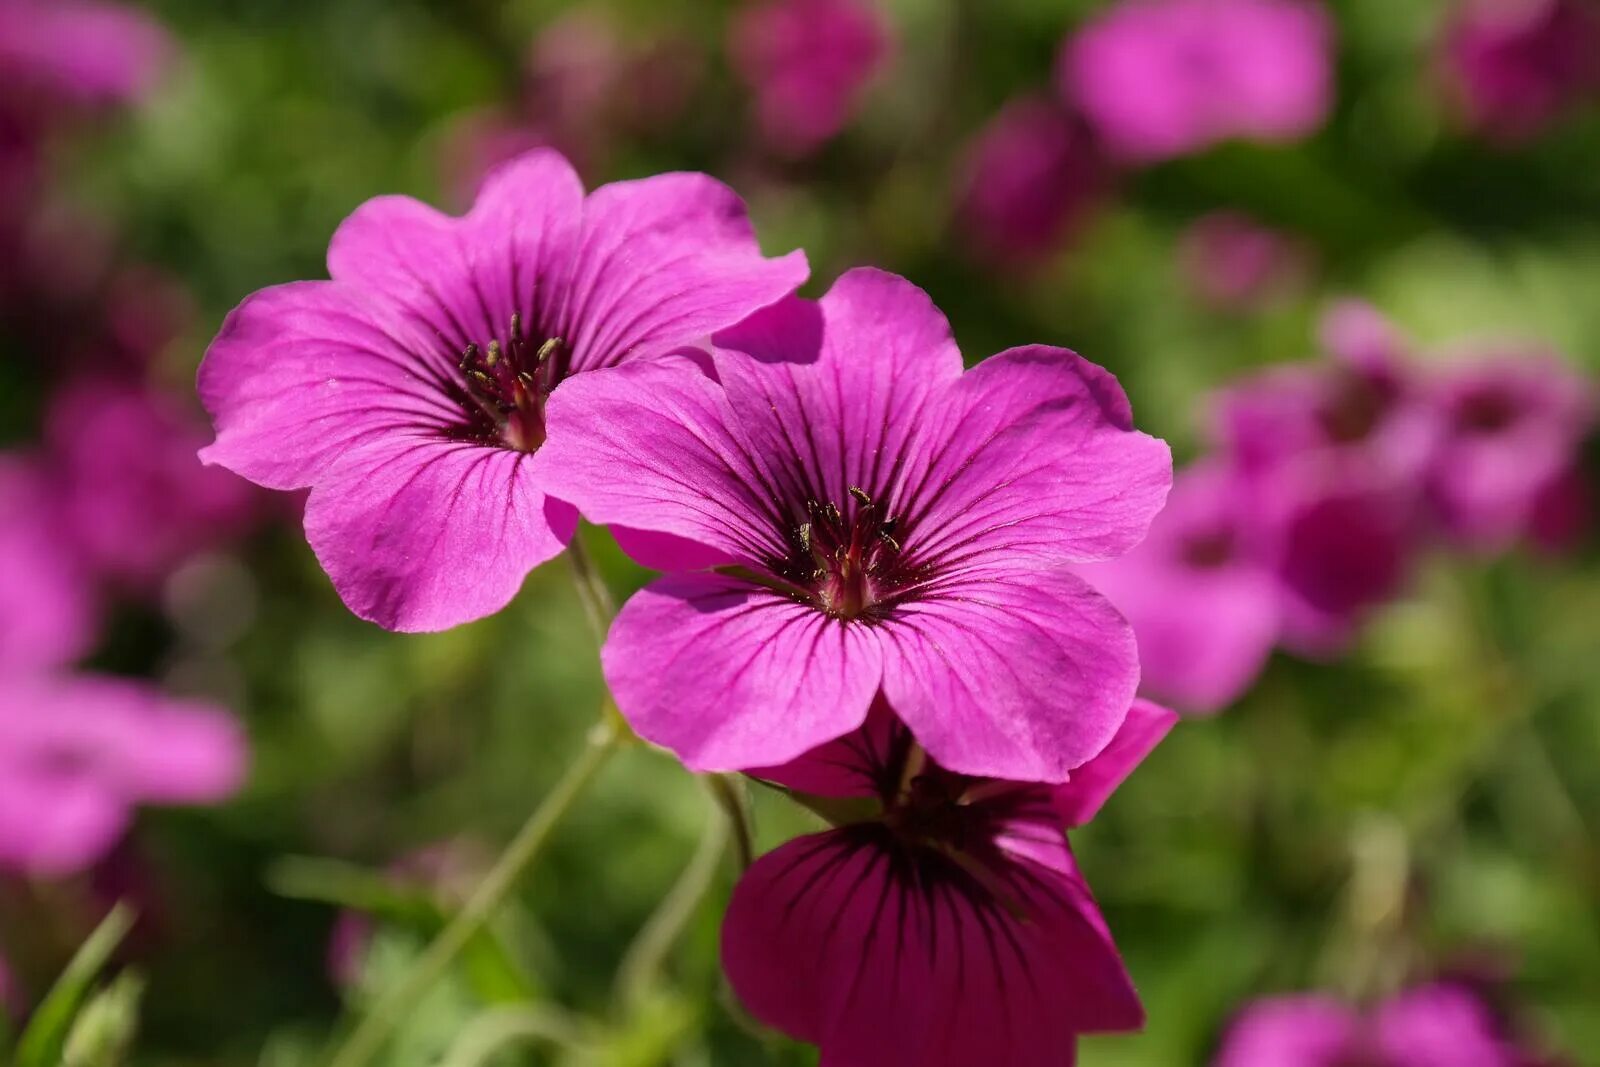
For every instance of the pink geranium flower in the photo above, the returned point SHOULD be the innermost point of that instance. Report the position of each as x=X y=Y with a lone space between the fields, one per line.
x=135 y=500
x=1429 y=1026
x=877 y=518
x=1515 y=66
x=77 y=754
x=1165 y=78
x=47 y=610
x=80 y=51
x=1513 y=421
x=1234 y=263
x=1032 y=176
x=409 y=392
x=808 y=62
x=948 y=925
x=1204 y=604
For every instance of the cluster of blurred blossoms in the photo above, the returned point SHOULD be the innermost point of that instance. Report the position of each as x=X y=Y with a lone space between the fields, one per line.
x=1327 y=483
x=108 y=507
x=867 y=598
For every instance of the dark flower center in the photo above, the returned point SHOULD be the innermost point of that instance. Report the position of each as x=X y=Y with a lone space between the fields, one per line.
x=1208 y=549
x=1486 y=413
x=1354 y=410
x=847 y=559
x=506 y=384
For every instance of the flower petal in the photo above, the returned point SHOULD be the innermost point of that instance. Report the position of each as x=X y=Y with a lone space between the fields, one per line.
x=834 y=393
x=884 y=955
x=1019 y=675
x=301 y=374
x=1035 y=453
x=649 y=446
x=421 y=533
x=461 y=279
x=1303 y=1031
x=661 y=262
x=1081 y=798
x=729 y=675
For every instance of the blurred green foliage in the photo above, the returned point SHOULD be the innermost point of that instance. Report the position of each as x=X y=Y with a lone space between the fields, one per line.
x=1466 y=725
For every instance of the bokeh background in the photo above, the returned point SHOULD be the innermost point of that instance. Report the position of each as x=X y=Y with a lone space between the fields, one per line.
x=1444 y=767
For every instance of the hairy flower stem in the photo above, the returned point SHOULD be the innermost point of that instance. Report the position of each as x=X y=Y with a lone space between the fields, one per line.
x=598 y=606
x=392 y=1007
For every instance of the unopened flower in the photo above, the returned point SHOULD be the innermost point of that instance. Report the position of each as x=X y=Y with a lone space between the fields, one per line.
x=79 y=753
x=1205 y=605
x=1429 y=1026
x=1514 y=66
x=409 y=392
x=1165 y=78
x=1031 y=176
x=876 y=518
x=948 y=924
x=808 y=62
x=47 y=610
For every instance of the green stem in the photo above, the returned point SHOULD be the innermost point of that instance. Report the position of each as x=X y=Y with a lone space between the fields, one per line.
x=369 y=1036
x=494 y=1030
x=644 y=958
x=730 y=796
x=598 y=606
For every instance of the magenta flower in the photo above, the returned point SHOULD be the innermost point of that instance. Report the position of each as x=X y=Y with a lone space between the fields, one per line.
x=1514 y=66
x=409 y=392
x=1202 y=600
x=136 y=501
x=1234 y=263
x=1334 y=453
x=1031 y=177
x=949 y=925
x=47 y=609
x=880 y=520
x=808 y=62
x=80 y=51
x=1513 y=423
x=1431 y=1026
x=1165 y=78
x=78 y=753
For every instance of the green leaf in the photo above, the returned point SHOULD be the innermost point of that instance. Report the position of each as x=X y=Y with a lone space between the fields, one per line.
x=103 y=1033
x=43 y=1042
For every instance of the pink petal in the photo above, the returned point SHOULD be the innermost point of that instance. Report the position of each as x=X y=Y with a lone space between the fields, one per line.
x=54 y=826
x=461 y=279
x=47 y=610
x=848 y=766
x=664 y=261
x=1021 y=676
x=1305 y=1031
x=1093 y=783
x=881 y=956
x=301 y=374
x=649 y=447
x=729 y=675
x=420 y=533
x=835 y=394
x=1035 y=454
x=1441 y=1026
x=184 y=753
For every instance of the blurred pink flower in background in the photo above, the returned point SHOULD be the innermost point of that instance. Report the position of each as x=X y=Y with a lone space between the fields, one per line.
x=47 y=605
x=135 y=497
x=78 y=753
x=808 y=62
x=1232 y=262
x=78 y=51
x=1440 y=1025
x=1514 y=66
x=1165 y=78
x=951 y=926
x=585 y=84
x=1030 y=179
x=1198 y=592
x=1512 y=425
